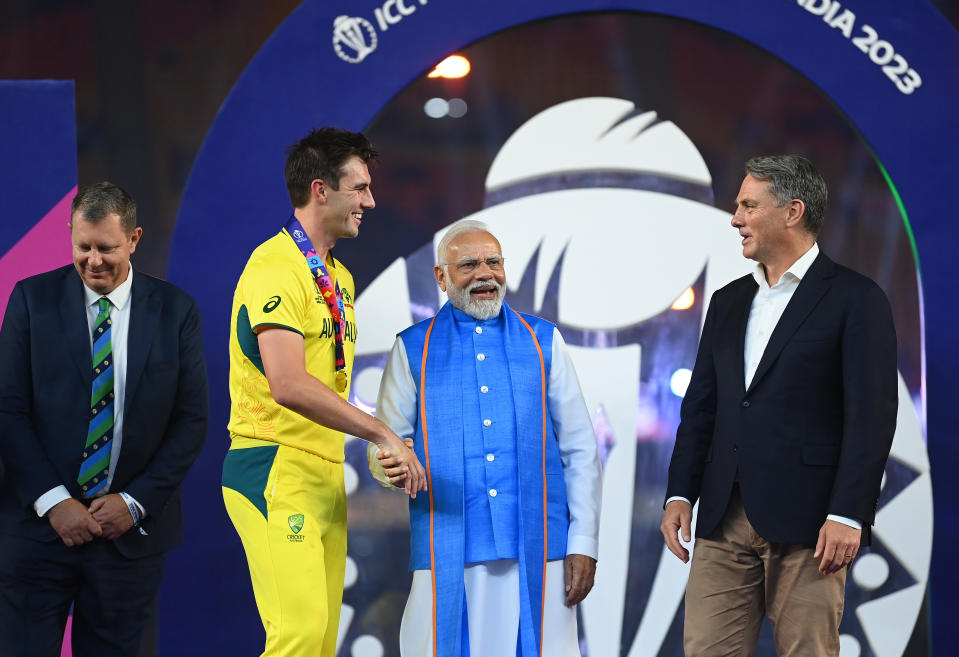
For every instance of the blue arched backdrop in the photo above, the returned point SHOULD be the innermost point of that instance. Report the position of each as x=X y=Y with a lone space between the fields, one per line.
x=297 y=81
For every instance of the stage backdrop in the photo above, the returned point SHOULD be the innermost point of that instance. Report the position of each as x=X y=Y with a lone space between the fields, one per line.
x=603 y=142
x=38 y=178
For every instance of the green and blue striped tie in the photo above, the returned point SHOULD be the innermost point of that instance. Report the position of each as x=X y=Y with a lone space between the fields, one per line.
x=96 y=454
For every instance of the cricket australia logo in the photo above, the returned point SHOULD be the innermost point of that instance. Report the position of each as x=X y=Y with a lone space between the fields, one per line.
x=353 y=38
x=296 y=524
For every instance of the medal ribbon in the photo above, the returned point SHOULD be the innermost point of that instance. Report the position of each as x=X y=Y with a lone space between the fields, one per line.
x=329 y=289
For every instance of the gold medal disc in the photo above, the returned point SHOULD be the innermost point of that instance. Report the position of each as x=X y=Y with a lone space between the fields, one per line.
x=341 y=380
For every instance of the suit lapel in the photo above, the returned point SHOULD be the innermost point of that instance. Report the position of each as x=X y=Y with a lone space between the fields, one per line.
x=144 y=318
x=739 y=313
x=73 y=316
x=811 y=289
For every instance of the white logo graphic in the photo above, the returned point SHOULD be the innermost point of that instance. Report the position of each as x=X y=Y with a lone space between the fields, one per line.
x=592 y=200
x=353 y=38
x=298 y=234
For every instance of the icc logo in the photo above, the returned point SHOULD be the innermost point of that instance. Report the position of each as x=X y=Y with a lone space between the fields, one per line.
x=298 y=234
x=353 y=38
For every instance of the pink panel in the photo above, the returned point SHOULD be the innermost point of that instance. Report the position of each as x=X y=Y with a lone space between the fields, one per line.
x=46 y=246
x=66 y=650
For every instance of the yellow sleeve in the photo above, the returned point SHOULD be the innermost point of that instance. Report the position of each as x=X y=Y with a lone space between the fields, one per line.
x=274 y=294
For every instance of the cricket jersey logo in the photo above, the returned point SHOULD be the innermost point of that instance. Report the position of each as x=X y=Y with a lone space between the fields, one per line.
x=271 y=304
x=296 y=524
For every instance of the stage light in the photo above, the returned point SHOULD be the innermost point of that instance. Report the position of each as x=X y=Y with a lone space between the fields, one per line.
x=457 y=108
x=679 y=381
x=454 y=66
x=436 y=108
x=685 y=300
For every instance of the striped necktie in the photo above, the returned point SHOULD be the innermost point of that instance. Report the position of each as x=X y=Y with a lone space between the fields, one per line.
x=96 y=453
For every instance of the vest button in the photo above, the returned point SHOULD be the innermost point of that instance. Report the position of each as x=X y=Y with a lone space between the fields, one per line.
x=486 y=423
x=479 y=329
x=492 y=492
x=490 y=457
x=484 y=389
x=480 y=356
x=746 y=404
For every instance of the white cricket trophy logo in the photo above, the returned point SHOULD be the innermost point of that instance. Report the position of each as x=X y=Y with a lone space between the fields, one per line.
x=606 y=217
x=353 y=38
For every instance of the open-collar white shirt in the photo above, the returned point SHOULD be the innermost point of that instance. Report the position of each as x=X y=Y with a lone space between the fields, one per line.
x=768 y=306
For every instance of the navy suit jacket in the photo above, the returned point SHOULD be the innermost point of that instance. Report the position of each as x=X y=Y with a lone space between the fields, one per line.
x=811 y=434
x=45 y=387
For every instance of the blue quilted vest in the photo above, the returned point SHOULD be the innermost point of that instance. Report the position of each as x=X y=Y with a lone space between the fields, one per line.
x=459 y=440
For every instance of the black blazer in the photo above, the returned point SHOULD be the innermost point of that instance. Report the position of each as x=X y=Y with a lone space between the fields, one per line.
x=45 y=383
x=812 y=433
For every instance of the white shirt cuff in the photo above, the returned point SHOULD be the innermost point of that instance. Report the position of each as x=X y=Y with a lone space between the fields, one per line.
x=678 y=497
x=582 y=545
x=846 y=521
x=50 y=499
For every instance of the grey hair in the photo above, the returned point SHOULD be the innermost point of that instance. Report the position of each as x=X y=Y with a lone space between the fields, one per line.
x=455 y=230
x=96 y=202
x=793 y=177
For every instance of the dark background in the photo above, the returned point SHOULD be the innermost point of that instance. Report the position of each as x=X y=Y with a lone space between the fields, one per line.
x=150 y=77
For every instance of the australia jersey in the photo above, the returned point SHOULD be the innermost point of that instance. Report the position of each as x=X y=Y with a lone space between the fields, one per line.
x=277 y=291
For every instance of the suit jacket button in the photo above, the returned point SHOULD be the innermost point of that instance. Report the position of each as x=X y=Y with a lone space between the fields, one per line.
x=735 y=448
x=746 y=404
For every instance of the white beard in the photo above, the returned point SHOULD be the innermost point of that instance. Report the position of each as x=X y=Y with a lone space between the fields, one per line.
x=480 y=309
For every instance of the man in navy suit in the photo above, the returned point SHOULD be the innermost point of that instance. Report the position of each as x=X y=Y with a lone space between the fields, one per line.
x=103 y=409
x=785 y=429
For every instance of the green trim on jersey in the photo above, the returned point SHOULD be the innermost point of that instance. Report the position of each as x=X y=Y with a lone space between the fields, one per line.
x=245 y=336
x=247 y=470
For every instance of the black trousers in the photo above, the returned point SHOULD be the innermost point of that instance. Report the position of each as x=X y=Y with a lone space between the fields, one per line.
x=112 y=597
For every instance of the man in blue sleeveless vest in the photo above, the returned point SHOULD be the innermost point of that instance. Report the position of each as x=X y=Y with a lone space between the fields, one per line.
x=504 y=546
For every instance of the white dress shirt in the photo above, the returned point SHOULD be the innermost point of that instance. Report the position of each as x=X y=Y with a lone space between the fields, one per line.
x=120 y=302
x=767 y=309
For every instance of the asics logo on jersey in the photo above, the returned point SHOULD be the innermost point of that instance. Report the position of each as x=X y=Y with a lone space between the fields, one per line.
x=271 y=304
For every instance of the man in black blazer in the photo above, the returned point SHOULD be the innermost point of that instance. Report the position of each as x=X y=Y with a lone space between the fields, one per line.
x=103 y=409
x=785 y=429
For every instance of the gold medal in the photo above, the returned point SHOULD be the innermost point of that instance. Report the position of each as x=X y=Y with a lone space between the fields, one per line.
x=341 y=380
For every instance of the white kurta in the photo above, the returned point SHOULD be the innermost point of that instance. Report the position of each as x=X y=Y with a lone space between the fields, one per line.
x=492 y=607
x=492 y=588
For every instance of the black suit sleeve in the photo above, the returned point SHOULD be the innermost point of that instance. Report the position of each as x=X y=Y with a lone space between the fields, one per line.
x=697 y=418
x=186 y=426
x=870 y=403
x=27 y=466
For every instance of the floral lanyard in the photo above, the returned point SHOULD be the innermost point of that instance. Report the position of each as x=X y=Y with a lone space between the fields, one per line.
x=329 y=290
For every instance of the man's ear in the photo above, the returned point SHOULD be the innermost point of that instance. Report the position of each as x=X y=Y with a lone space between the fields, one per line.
x=796 y=212
x=440 y=274
x=318 y=190
x=135 y=238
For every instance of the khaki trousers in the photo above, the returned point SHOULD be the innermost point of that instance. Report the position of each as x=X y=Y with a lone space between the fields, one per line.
x=737 y=577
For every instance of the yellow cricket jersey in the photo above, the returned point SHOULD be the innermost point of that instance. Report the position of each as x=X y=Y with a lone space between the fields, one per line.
x=277 y=289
